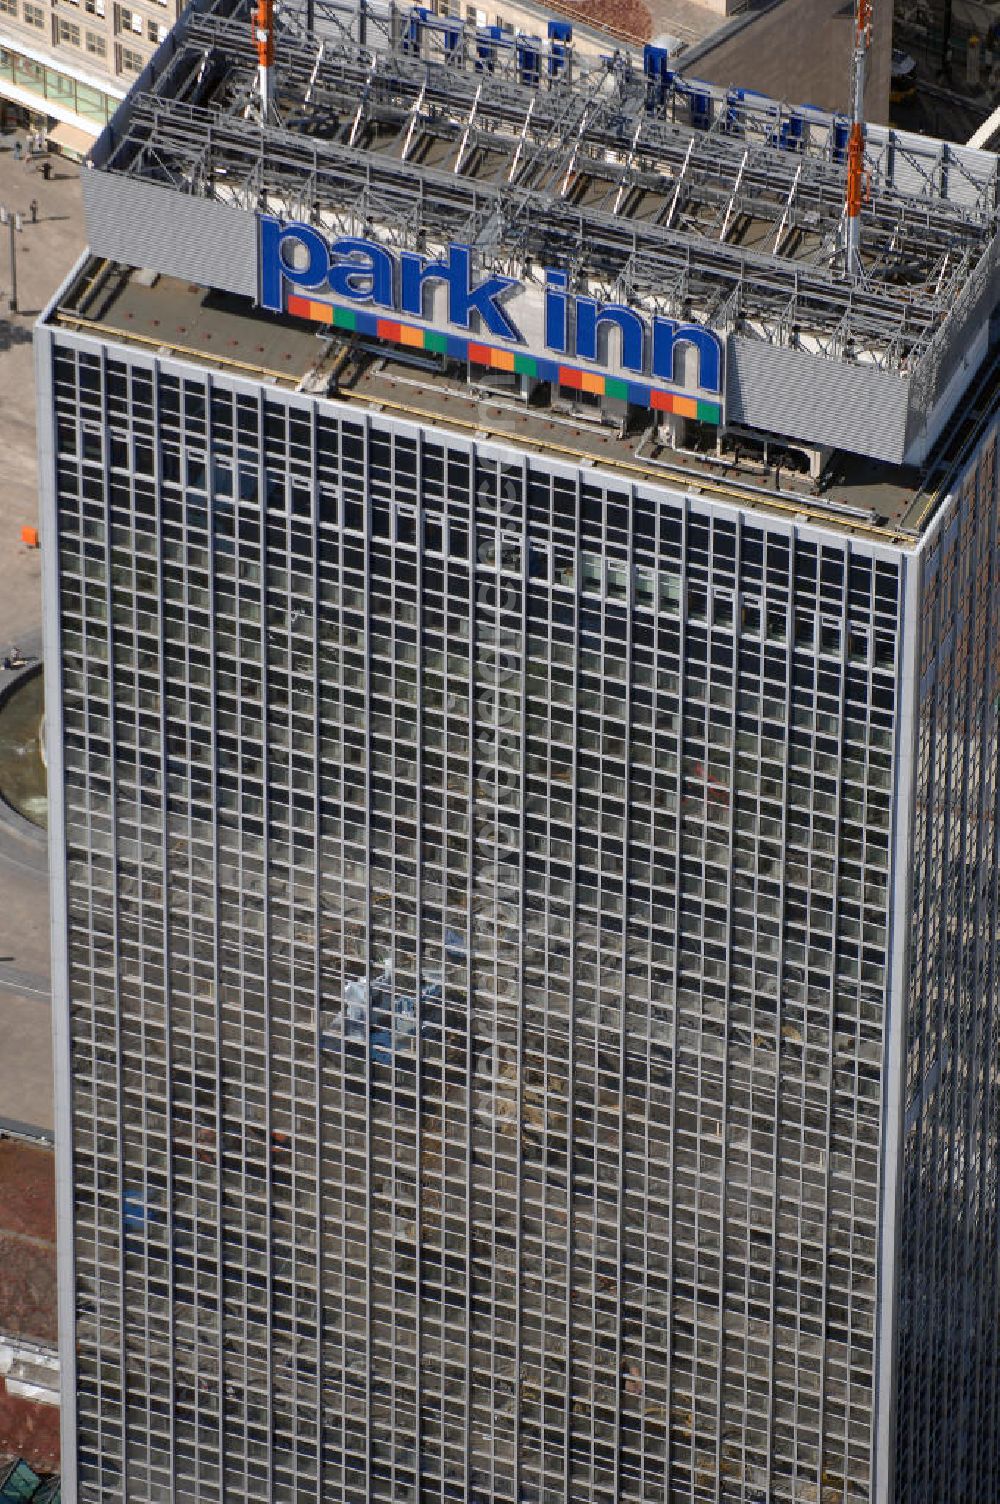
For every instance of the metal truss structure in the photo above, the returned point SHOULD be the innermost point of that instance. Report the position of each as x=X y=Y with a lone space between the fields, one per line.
x=695 y=202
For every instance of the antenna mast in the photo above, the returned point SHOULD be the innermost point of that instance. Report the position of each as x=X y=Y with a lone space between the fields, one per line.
x=856 y=185
x=263 y=36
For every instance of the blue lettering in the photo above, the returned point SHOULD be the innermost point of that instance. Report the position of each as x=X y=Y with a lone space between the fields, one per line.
x=366 y=277
x=362 y=271
x=667 y=335
x=589 y=318
x=463 y=298
x=275 y=266
x=482 y=299
x=556 y=311
x=417 y=271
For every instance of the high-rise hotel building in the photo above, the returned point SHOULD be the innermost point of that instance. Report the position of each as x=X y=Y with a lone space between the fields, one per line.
x=522 y=694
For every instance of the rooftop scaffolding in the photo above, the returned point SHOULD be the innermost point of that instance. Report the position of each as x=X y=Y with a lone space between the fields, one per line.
x=649 y=189
x=724 y=204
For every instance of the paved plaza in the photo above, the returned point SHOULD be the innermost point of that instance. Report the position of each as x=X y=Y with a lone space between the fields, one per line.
x=46 y=250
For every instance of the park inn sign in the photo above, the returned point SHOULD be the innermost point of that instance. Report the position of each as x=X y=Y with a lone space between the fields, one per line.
x=546 y=332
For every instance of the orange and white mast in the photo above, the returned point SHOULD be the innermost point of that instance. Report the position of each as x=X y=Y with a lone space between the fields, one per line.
x=263 y=36
x=856 y=181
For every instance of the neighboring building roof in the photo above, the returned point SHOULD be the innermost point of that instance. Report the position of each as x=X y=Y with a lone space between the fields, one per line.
x=799 y=49
x=27 y=1242
x=28 y=1429
x=791 y=49
x=631 y=19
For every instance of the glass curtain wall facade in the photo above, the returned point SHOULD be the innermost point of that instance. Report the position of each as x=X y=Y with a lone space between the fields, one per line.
x=478 y=875
x=949 y=1316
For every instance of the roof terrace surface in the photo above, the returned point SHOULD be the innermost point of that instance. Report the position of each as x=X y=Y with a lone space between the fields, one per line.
x=200 y=326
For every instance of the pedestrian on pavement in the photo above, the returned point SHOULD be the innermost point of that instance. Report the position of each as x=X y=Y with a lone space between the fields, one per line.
x=33 y=208
x=17 y=151
x=46 y=169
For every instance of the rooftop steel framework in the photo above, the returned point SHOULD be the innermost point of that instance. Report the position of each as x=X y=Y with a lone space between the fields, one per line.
x=722 y=205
